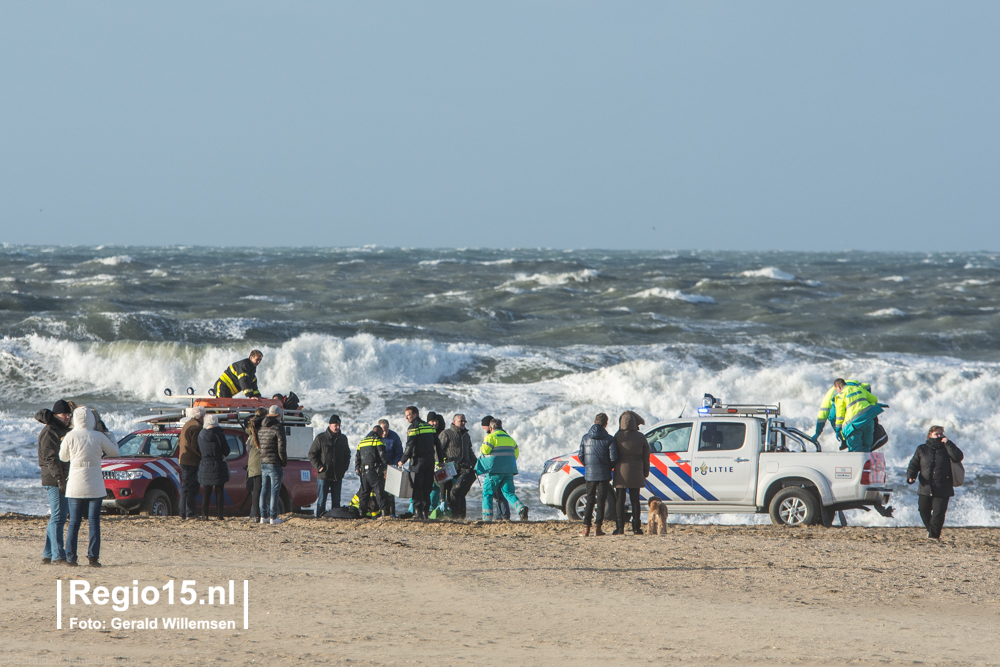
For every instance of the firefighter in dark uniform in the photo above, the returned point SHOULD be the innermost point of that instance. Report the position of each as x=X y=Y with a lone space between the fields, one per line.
x=370 y=462
x=422 y=446
x=241 y=376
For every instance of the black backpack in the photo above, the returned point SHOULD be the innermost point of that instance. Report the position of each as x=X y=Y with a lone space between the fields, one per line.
x=881 y=437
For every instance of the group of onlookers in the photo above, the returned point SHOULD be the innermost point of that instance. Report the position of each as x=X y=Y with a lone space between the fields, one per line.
x=202 y=456
x=621 y=460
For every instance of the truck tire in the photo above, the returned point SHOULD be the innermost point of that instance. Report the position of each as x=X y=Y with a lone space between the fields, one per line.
x=576 y=504
x=793 y=506
x=156 y=503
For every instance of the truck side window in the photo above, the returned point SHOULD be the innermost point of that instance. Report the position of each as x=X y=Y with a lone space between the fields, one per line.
x=671 y=438
x=235 y=446
x=162 y=445
x=719 y=436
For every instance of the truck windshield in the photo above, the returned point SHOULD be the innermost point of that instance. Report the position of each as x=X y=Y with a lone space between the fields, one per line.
x=131 y=445
x=145 y=444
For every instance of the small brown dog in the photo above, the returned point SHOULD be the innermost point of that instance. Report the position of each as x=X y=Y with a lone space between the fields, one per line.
x=657 y=524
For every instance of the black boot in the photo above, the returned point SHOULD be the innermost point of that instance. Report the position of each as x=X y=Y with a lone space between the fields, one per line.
x=94 y=562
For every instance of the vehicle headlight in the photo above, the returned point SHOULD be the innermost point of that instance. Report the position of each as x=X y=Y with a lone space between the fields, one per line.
x=553 y=465
x=124 y=475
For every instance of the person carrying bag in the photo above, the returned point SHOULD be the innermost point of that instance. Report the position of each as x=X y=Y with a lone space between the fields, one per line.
x=933 y=465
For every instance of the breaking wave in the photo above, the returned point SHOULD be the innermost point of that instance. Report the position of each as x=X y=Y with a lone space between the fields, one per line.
x=772 y=272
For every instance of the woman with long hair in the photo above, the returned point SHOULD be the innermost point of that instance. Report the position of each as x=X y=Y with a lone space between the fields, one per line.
x=253 y=462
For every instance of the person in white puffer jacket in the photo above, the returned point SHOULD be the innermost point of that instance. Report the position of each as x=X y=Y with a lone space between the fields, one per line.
x=84 y=447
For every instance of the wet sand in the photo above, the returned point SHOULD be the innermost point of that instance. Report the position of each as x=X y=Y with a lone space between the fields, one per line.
x=398 y=592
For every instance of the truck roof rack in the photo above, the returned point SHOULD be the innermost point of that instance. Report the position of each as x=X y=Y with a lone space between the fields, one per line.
x=226 y=416
x=741 y=410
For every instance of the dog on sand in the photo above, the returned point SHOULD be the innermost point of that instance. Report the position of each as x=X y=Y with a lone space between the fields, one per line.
x=657 y=524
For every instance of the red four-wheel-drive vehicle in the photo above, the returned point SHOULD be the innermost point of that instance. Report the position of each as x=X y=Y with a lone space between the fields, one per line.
x=146 y=476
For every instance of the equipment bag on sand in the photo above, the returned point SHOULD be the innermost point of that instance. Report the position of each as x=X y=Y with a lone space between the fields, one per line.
x=340 y=513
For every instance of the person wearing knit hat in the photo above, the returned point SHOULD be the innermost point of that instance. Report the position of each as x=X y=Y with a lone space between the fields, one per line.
x=54 y=474
x=330 y=455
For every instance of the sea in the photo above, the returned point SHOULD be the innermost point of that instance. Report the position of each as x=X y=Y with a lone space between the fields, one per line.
x=543 y=339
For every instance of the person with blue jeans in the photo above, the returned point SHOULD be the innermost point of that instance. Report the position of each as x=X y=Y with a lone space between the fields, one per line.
x=83 y=448
x=330 y=455
x=498 y=461
x=273 y=458
x=54 y=474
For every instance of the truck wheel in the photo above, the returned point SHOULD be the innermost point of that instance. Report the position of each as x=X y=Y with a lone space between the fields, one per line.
x=793 y=506
x=156 y=503
x=576 y=503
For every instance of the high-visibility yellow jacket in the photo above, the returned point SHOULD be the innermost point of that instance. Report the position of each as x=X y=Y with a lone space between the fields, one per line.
x=851 y=402
x=499 y=454
x=826 y=407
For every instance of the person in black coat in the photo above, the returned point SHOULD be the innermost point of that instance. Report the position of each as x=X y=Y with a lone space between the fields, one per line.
x=931 y=465
x=422 y=447
x=213 y=471
x=330 y=455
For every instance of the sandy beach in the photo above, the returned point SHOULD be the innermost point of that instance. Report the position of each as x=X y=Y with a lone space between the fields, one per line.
x=398 y=592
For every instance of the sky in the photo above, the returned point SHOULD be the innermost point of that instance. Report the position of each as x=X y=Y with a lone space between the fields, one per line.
x=648 y=125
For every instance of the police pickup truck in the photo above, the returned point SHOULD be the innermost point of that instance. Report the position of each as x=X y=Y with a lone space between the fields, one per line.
x=739 y=459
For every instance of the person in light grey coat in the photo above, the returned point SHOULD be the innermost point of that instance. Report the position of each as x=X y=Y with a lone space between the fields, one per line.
x=598 y=454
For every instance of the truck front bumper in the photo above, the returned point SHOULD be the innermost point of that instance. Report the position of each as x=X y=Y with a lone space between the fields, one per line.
x=550 y=490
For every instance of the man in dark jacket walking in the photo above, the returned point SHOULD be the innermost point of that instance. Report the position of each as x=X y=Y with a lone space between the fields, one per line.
x=330 y=455
x=931 y=465
x=273 y=458
x=422 y=446
x=598 y=454
x=54 y=473
x=457 y=446
x=189 y=457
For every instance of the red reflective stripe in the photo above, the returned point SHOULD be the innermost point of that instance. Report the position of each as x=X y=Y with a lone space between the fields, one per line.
x=659 y=465
x=675 y=457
